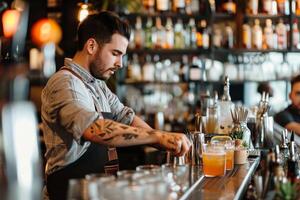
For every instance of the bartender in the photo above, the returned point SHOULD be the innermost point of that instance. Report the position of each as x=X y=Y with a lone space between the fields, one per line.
x=83 y=121
x=289 y=118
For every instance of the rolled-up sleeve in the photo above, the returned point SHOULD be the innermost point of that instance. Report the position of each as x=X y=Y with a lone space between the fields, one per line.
x=121 y=113
x=68 y=102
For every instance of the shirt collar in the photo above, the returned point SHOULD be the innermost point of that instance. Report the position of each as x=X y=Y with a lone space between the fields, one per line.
x=85 y=75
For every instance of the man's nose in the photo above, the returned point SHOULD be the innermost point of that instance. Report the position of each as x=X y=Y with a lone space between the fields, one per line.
x=119 y=62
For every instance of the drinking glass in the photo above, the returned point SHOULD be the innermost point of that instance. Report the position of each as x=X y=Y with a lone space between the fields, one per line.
x=177 y=176
x=229 y=148
x=152 y=169
x=214 y=160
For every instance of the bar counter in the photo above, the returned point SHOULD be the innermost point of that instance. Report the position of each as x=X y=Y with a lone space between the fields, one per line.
x=231 y=186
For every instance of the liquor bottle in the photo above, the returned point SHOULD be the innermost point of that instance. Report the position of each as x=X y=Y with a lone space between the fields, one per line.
x=191 y=35
x=257 y=35
x=292 y=165
x=283 y=7
x=138 y=34
x=225 y=120
x=148 y=70
x=195 y=69
x=149 y=6
x=169 y=44
x=297 y=7
x=179 y=35
x=229 y=6
x=228 y=38
x=159 y=35
x=202 y=35
x=274 y=7
x=184 y=68
x=148 y=33
x=281 y=35
x=296 y=36
x=179 y=6
x=134 y=69
x=162 y=6
x=246 y=35
x=267 y=7
x=217 y=38
x=268 y=35
x=275 y=38
x=205 y=35
x=252 y=7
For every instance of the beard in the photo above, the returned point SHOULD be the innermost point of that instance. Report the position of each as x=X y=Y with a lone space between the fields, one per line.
x=95 y=72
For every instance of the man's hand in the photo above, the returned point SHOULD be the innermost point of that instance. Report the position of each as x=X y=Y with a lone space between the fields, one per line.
x=177 y=143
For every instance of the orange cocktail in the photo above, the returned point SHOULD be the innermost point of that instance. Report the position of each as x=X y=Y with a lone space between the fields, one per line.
x=214 y=160
x=229 y=159
x=229 y=148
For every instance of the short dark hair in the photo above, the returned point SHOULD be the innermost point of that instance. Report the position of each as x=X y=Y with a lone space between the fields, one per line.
x=295 y=79
x=101 y=27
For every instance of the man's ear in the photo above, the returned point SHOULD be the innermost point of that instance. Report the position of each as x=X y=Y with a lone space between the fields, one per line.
x=91 y=46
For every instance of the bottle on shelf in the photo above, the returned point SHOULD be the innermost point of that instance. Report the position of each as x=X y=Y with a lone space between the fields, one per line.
x=191 y=35
x=246 y=34
x=228 y=40
x=179 y=6
x=274 y=7
x=159 y=35
x=229 y=6
x=149 y=6
x=217 y=38
x=162 y=6
x=252 y=7
x=169 y=44
x=257 y=35
x=267 y=7
x=225 y=106
x=148 y=70
x=179 y=35
x=203 y=35
x=283 y=7
x=134 y=69
x=268 y=41
x=297 y=7
x=184 y=68
x=138 y=34
x=296 y=35
x=195 y=69
x=148 y=33
x=281 y=35
x=292 y=165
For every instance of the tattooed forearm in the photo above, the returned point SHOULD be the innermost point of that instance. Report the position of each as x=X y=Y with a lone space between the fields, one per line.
x=129 y=136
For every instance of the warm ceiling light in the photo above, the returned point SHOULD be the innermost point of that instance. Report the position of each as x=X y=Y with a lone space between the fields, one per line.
x=83 y=11
x=10 y=21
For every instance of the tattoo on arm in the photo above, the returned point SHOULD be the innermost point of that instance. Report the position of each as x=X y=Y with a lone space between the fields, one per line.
x=152 y=132
x=129 y=136
x=109 y=127
x=124 y=127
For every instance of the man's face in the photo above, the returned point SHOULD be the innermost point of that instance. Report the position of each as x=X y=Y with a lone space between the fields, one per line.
x=108 y=58
x=295 y=95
